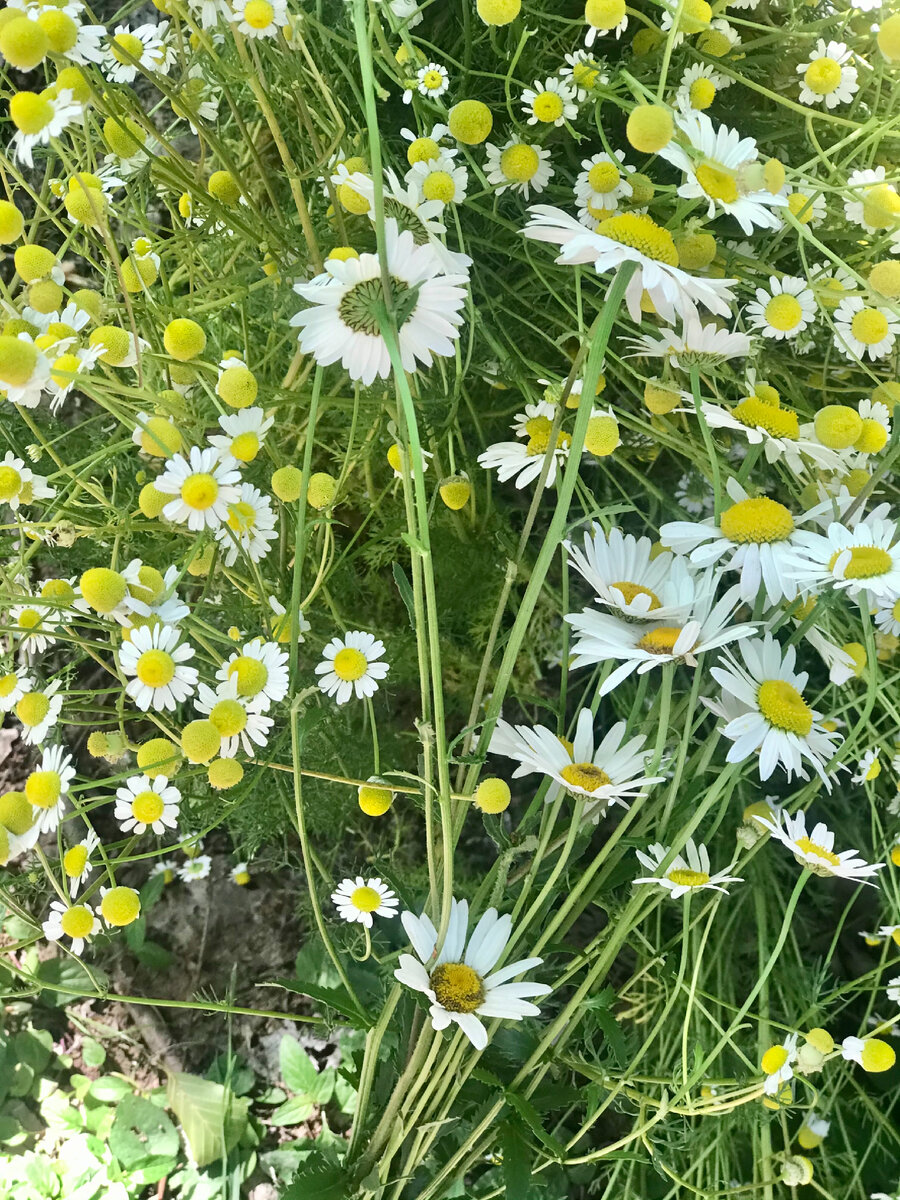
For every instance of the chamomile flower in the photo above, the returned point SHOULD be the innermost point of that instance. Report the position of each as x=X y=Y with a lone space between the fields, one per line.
x=195 y=869
x=699 y=87
x=807 y=204
x=756 y=536
x=152 y=599
x=261 y=671
x=815 y=850
x=362 y=899
x=870 y=201
x=626 y=575
x=460 y=980
x=703 y=624
x=76 y=861
x=549 y=103
x=686 y=873
x=828 y=76
x=862 y=330
x=259 y=18
x=47 y=787
x=785 y=309
x=64 y=372
x=634 y=238
x=13 y=685
x=778 y=1064
x=154 y=658
x=249 y=527
x=144 y=803
x=584 y=73
x=440 y=179
x=243 y=434
x=777 y=429
x=893 y=990
x=876 y=419
x=604 y=16
x=830 y=283
x=208 y=12
x=868 y=768
x=687 y=17
x=141 y=48
x=204 y=485
x=765 y=713
x=606 y=772
x=239 y=720
x=432 y=80
x=872 y=1054
x=518 y=166
x=343 y=321
x=350 y=666
x=77 y=922
x=887 y=617
x=718 y=165
x=865 y=559
x=524 y=460
x=167 y=867
x=39 y=117
x=30 y=372
x=601 y=181
x=700 y=345
x=33 y=627
x=38 y=710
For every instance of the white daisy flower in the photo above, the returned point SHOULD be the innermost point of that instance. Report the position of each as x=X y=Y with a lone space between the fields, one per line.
x=432 y=80
x=243 y=434
x=690 y=20
x=64 y=372
x=601 y=181
x=549 y=103
x=887 y=617
x=204 y=485
x=13 y=687
x=584 y=73
x=828 y=77
x=830 y=283
x=58 y=113
x=259 y=18
x=460 y=981
x=867 y=769
x=685 y=874
x=349 y=666
x=869 y=200
x=699 y=87
x=343 y=320
x=815 y=850
x=261 y=671
x=154 y=657
x=146 y=44
x=704 y=624
x=524 y=460
x=144 y=802
x=28 y=394
x=38 y=710
x=807 y=204
x=33 y=627
x=698 y=344
x=19 y=484
x=440 y=179
x=239 y=721
x=208 y=12
x=871 y=1054
x=75 y=921
x=777 y=429
x=627 y=577
x=778 y=1065
x=76 y=861
x=195 y=869
x=47 y=787
x=362 y=899
x=765 y=713
x=249 y=526
x=865 y=559
x=609 y=772
x=861 y=329
x=167 y=867
x=156 y=601
x=893 y=990
x=785 y=310
x=841 y=665
x=719 y=169
x=635 y=238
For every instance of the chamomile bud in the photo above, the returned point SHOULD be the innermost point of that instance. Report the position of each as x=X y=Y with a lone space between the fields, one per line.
x=71 y=79
x=286 y=484
x=60 y=28
x=422 y=149
x=492 y=796
x=138 y=274
x=660 y=399
x=88 y=206
x=602 y=436
x=237 y=387
x=120 y=906
x=90 y=302
x=645 y=41
x=12 y=223
x=649 y=128
x=838 y=426
x=103 y=589
x=695 y=250
x=17 y=361
x=321 y=490
x=159 y=756
x=200 y=741
x=374 y=800
x=888 y=38
x=184 y=339
x=34 y=262
x=201 y=564
x=223 y=186
x=23 y=43
x=45 y=296
x=97 y=744
x=884 y=278
x=470 y=122
x=115 y=341
x=498 y=12
x=455 y=491
x=224 y=773
x=796 y=1170
x=16 y=812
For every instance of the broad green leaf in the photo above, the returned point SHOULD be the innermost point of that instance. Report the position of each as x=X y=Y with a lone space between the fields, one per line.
x=92 y=1052
x=293 y=1112
x=34 y=1047
x=141 y=1133
x=109 y=1089
x=517 y=1154
x=297 y=1069
x=318 y=1180
x=212 y=1117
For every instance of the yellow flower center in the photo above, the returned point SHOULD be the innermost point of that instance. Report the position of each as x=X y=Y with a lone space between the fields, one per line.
x=155 y=668
x=695 y=16
x=865 y=562
x=258 y=14
x=718 y=182
x=603 y=177
x=585 y=776
x=783 y=312
x=10 y=483
x=366 y=899
x=32 y=708
x=519 y=163
x=869 y=326
x=432 y=80
x=877 y=1055
x=75 y=860
x=199 y=491
x=147 y=807
x=245 y=447
x=661 y=640
x=547 y=107
x=774 y=1059
x=778 y=422
x=128 y=43
x=702 y=93
x=684 y=877
x=229 y=717
x=8 y=683
x=783 y=706
x=252 y=675
x=632 y=590
x=120 y=906
x=43 y=788
x=28 y=618
x=823 y=75
x=350 y=664
x=757 y=519
x=584 y=75
x=77 y=921
x=58 y=590
x=641 y=233
x=439 y=185
x=538 y=430
x=809 y=847
x=241 y=516
x=457 y=987
x=801 y=207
